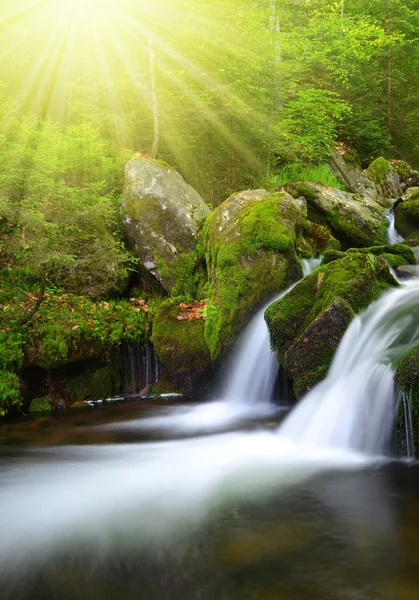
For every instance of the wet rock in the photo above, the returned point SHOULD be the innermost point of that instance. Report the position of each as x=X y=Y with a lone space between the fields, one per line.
x=354 y=219
x=328 y=298
x=406 y=213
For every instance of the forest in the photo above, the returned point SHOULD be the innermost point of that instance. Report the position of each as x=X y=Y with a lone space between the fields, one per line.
x=209 y=283
x=232 y=94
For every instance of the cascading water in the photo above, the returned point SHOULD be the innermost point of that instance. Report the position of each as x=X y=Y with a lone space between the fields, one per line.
x=393 y=237
x=254 y=368
x=354 y=407
x=247 y=391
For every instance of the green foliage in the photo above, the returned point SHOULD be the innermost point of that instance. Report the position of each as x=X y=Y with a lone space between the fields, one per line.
x=298 y=172
x=59 y=190
x=309 y=124
x=378 y=170
x=40 y=405
x=9 y=392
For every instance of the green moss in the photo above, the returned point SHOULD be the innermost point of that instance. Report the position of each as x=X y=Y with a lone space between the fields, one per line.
x=250 y=253
x=307 y=324
x=94 y=384
x=347 y=228
x=302 y=189
x=378 y=170
x=331 y=255
x=40 y=405
x=261 y=229
x=10 y=396
x=407 y=217
x=408 y=380
x=180 y=345
x=402 y=251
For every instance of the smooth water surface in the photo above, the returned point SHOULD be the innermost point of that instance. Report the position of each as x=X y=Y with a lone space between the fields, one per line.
x=96 y=513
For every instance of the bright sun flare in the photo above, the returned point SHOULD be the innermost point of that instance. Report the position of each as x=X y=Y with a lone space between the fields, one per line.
x=79 y=9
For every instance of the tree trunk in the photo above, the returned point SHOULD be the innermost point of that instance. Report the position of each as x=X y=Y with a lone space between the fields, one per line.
x=275 y=28
x=389 y=70
x=154 y=103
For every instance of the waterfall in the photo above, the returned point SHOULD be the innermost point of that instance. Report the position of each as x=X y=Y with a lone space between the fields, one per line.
x=139 y=369
x=247 y=392
x=354 y=407
x=392 y=236
x=405 y=441
x=253 y=370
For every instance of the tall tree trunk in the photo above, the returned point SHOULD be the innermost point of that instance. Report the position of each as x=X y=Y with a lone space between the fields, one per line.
x=275 y=28
x=389 y=68
x=154 y=103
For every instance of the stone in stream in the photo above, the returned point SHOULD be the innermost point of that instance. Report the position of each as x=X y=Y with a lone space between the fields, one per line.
x=307 y=324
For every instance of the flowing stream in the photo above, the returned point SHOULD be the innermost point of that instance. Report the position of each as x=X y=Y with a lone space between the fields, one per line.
x=248 y=389
x=393 y=237
x=354 y=407
x=300 y=512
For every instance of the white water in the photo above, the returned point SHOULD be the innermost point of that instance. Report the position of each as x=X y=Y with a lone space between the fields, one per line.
x=100 y=498
x=354 y=407
x=135 y=495
x=393 y=236
x=247 y=393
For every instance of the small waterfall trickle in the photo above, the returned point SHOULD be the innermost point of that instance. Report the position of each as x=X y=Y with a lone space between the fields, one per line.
x=393 y=237
x=404 y=436
x=140 y=369
x=355 y=406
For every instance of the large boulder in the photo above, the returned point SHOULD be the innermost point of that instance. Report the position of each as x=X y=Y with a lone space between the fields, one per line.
x=179 y=341
x=160 y=213
x=355 y=219
x=307 y=324
x=347 y=164
x=386 y=179
x=250 y=246
x=406 y=213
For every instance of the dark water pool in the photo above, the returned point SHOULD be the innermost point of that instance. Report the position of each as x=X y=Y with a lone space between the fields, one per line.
x=93 y=512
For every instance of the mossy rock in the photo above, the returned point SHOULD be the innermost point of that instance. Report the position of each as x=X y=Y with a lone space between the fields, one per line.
x=160 y=215
x=386 y=179
x=181 y=348
x=353 y=219
x=396 y=255
x=250 y=243
x=327 y=298
x=94 y=384
x=408 y=380
x=40 y=405
x=324 y=334
x=379 y=170
x=406 y=216
x=320 y=239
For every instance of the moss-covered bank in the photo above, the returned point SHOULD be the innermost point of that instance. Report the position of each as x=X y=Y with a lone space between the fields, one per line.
x=307 y=324
x=250 y=245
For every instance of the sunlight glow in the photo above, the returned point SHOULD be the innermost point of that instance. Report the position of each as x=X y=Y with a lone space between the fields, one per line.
x=79 y=9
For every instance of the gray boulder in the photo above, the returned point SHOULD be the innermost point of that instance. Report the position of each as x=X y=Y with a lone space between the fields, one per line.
x=160 y=212
x=355 y=219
